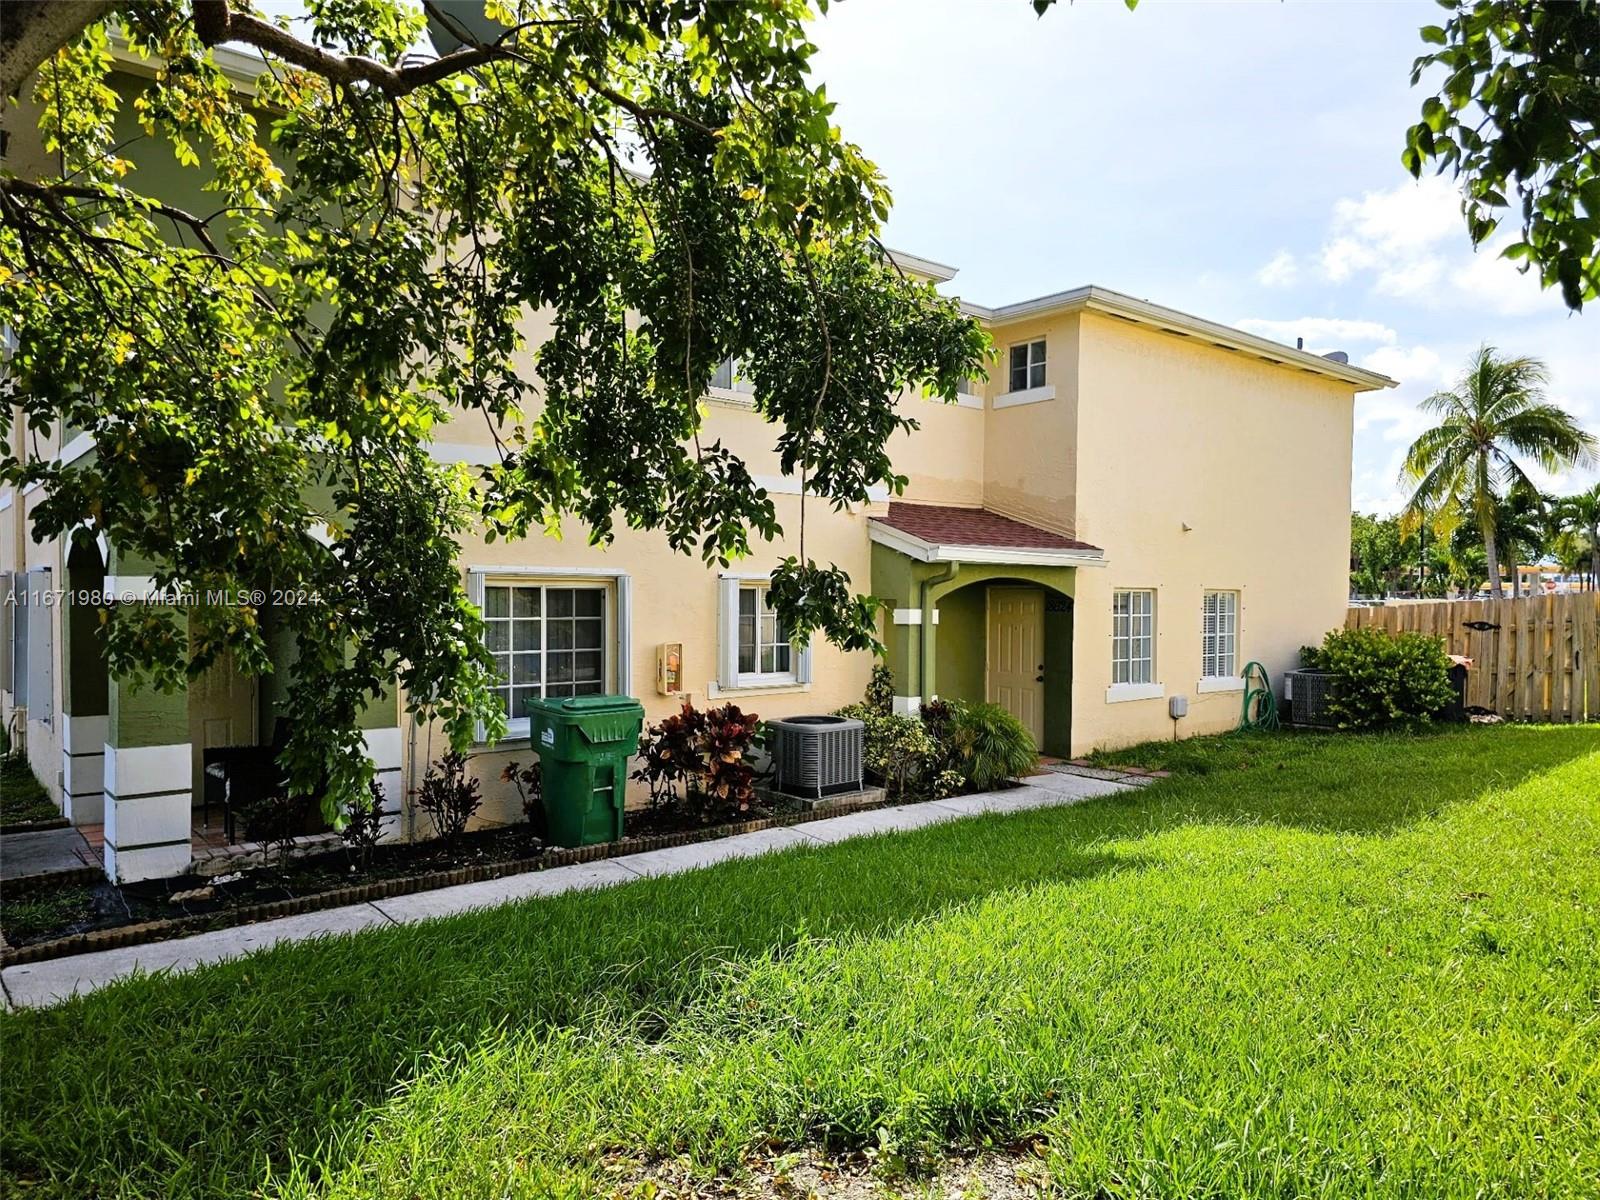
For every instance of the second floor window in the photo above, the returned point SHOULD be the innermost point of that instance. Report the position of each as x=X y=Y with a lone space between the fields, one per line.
x=1219 y=635
x=1027 y=366
x=728 y=378
x=1133 y=637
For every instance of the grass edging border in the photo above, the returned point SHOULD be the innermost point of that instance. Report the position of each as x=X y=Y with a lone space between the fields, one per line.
x=144 y=932
x=40 y=826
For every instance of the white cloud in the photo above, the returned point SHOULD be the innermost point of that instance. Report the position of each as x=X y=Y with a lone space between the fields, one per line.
x=1404 y=220
x=1411 y=239
x=1326 y=332
x=1413 y=364
x=1280 y=272
x=1493 y=282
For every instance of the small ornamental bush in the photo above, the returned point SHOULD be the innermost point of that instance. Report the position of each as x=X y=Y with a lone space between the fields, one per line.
x=699 y=762
x=1381 y=679
x=899 y=751
x=991 y=746
x=880 y=690
x=448 y=796
x=529 y=782
x=363 y=824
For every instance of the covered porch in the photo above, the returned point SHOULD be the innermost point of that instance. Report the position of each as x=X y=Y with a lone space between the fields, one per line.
x=157 y=780
x=980 y=608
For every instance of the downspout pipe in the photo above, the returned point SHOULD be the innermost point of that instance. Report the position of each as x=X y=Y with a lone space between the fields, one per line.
x=925 y=629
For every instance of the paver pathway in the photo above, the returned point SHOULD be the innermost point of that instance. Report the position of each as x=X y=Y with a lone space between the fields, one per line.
x=44 y=852
x=38 y=985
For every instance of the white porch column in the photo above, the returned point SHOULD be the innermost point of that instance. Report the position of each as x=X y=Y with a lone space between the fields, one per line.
x=383 y=748
x=83 y=769
x=148 y=800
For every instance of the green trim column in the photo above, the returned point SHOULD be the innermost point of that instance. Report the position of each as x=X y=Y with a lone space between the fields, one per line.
x=149 y=786
x=85 y=695
x=894 y=583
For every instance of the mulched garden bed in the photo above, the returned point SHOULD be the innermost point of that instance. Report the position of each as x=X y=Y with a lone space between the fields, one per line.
x=59 y=921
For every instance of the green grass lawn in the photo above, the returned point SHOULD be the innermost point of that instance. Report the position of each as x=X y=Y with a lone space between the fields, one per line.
x=22 y=797
x=1304 y=966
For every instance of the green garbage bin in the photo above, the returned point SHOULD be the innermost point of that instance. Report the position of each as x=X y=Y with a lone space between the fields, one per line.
x=583 y=744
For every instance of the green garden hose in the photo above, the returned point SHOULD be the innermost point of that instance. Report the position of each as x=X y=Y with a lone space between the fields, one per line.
x=1260 y=705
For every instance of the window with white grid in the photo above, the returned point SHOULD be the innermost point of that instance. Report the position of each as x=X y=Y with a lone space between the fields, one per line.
x=546 y=641
x=1219 y=635
x=1027 y=366
x=764 y=647
x=1133 y=636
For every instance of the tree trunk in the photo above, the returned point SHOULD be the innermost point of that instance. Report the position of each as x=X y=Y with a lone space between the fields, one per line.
x=1492 y=564
x=33 y=30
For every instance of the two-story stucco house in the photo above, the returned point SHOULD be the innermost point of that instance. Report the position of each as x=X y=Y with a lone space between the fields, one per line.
x=1136 y=503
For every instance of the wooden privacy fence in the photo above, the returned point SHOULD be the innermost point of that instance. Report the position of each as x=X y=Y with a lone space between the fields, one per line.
x=1533 y=659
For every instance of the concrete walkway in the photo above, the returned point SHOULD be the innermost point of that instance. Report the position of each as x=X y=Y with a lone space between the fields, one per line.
x=38 y=985
x=45 y=852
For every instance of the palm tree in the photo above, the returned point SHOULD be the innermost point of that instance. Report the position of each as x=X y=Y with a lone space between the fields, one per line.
x=1522 y=529
x=1496 y=412
x=1581 y=514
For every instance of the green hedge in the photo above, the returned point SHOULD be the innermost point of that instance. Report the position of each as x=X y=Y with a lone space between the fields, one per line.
x=1382 y=680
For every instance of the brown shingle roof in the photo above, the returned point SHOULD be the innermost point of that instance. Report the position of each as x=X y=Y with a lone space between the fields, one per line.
x=952 y=526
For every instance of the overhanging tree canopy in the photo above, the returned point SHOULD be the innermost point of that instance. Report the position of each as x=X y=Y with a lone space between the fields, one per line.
x=262 y=376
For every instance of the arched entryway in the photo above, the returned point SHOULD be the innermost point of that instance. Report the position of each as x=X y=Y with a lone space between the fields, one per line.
x=1007 y=639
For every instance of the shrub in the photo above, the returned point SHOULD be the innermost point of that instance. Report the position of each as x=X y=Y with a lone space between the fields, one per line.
x=1381 y=680
x=529 y=782
x=363 y=824
x=448 y=796
x=671 y=757
x=880 y=690
x=991 y=746
x=699 y=762
x=900 y=752
x=276 y=820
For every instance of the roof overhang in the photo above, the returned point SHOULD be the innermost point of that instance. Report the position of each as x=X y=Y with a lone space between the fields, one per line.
x=1180 y=324
x=926 y=267
x=920 y=550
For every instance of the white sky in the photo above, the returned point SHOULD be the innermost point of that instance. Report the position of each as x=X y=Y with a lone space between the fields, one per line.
x=1240 y=161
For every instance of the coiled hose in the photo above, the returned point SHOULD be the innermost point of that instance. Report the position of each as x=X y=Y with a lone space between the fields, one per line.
x=1260 y=709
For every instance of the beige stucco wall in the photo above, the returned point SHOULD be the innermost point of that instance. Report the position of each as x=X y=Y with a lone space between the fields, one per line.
x=675 y=600
x=1255 y=460
x=944 y=456
x=1031 y=459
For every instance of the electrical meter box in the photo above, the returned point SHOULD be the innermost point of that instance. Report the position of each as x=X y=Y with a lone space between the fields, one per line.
x=669 y=668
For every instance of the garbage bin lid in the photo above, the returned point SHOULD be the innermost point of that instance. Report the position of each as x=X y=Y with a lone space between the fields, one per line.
x=580 y=705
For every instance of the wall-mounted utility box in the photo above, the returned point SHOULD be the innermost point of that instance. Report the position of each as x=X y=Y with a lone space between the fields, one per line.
x=1177 y=706
x=669 y=668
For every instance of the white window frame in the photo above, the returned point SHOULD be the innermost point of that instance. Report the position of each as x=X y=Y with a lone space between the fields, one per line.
x=1219 y=640
x=617 y=616
x=739 y=390
x=1032 y=363
x=1139 y=684
x=729 y=677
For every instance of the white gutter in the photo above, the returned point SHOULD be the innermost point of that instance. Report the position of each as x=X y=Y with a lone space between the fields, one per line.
x=1181 y=324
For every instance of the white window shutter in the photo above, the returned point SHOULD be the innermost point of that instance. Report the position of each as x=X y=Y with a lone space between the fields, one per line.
x=475 y=594
x=624 y=635
x=802 y=663
x=728 y=631
x=6 y=603
x=19 y=641
x=40 y=690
